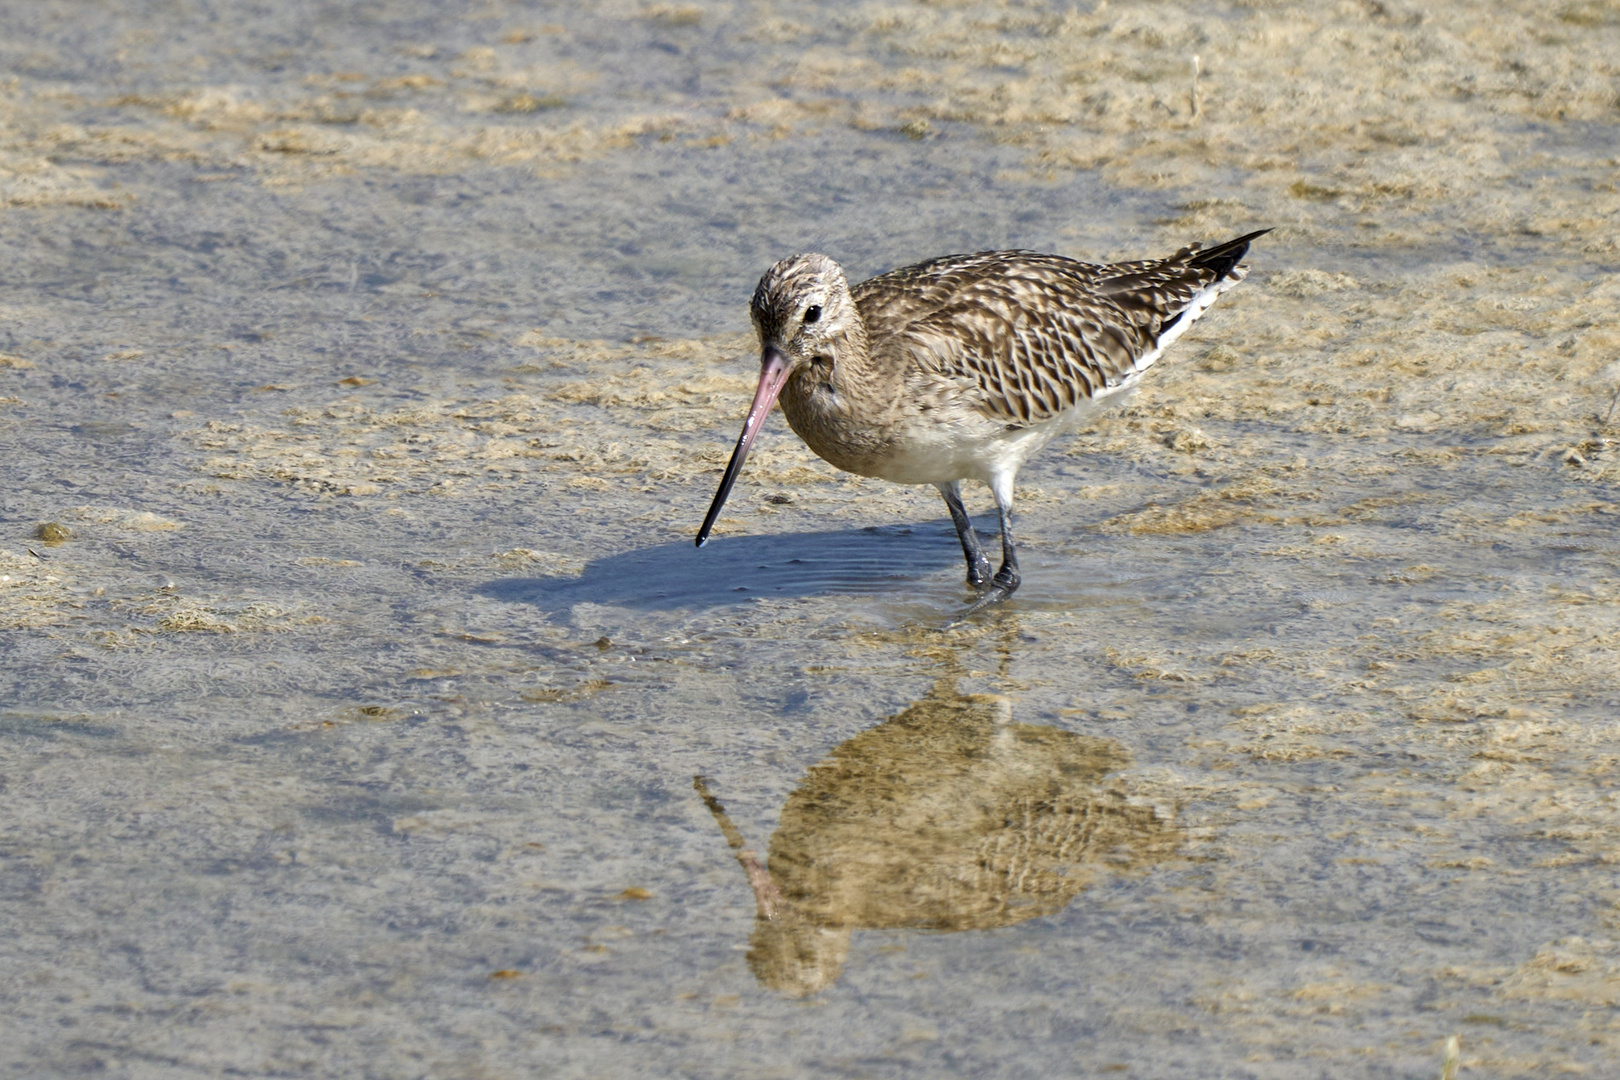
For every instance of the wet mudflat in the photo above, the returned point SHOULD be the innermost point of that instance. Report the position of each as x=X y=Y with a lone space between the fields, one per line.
x=373 y=365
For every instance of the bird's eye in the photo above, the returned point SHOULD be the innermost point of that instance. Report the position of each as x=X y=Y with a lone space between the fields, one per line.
x=812 y=313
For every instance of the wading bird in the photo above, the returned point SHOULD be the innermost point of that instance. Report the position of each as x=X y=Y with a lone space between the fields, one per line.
x=962 y=367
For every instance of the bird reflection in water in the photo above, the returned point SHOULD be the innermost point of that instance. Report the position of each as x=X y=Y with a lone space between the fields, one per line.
x=947 y=816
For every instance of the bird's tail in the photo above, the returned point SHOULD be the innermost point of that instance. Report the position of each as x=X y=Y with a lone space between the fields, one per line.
x=1223 y=258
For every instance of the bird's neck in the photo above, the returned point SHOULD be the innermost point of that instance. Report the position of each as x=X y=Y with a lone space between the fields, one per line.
x=841 y=366
x=843 y=403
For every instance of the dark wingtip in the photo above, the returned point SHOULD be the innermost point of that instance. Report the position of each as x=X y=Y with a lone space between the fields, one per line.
x=1223 y=257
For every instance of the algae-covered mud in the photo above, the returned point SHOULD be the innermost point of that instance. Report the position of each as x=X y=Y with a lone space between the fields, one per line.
x=365 y=709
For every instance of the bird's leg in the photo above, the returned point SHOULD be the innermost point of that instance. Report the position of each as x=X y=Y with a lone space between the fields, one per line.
x=1006 y=578
x=978 y=564
x=1005 y=583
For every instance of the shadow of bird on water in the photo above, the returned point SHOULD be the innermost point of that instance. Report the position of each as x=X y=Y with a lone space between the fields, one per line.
x=734 y=570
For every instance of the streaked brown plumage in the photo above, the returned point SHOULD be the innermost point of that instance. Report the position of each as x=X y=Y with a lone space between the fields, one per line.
x=961 y=367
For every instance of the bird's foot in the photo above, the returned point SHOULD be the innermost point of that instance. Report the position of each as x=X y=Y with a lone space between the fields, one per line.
x=1003 y=585
x=978 y=572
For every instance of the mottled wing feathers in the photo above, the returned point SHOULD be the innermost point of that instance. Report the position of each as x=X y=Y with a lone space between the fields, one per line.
x=1032 y=336
x=1035 y=334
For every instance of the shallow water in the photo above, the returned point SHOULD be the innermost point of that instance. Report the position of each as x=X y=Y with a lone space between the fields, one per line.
x=380 y=361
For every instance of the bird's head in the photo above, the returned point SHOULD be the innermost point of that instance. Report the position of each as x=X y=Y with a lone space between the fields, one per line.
x=802 y=310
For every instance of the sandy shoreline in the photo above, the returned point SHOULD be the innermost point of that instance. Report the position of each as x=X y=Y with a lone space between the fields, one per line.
x=378 y=362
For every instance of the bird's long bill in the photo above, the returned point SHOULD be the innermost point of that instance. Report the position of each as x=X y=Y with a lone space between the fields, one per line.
x=773 y=370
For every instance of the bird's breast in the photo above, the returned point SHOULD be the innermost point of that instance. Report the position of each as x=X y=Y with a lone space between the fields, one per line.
x=906 y=436
x=846 y=428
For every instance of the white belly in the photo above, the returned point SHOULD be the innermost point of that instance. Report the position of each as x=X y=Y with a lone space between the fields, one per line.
x=974 y=447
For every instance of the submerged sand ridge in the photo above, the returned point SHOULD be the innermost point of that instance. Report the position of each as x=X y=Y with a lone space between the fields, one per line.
x=376 y=364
